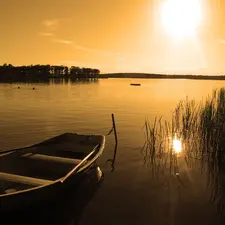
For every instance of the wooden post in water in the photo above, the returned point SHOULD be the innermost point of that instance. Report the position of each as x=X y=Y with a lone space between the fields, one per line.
x=115 y=149
x=116 y=141
x=114 y=127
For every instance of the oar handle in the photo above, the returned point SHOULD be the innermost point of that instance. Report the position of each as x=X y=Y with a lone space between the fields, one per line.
x=77 y=167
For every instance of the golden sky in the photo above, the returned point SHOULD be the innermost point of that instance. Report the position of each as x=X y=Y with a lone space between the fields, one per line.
x=115 y=35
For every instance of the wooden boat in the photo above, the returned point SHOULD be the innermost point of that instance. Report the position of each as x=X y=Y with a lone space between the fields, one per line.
x=65 y=209
x=42 y=171
x=134 y=84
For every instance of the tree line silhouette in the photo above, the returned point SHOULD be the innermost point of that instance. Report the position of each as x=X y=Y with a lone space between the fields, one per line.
x=162 y=76
x=8 y=72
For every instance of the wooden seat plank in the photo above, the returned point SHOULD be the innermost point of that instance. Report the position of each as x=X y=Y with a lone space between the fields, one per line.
x=53 y=158
x=23 y=179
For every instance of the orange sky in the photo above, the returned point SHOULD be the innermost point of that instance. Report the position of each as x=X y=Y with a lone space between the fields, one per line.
x=112 y=35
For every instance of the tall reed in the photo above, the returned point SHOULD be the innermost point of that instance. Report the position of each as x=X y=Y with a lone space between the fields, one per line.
x=201 y=129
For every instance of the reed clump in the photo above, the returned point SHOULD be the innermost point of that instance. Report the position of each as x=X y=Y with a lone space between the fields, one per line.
x=200 y=127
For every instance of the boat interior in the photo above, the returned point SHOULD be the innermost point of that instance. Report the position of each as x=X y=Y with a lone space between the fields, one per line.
x=44 y=163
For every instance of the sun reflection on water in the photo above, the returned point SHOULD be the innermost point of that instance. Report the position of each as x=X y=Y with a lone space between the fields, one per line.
x=177 y=145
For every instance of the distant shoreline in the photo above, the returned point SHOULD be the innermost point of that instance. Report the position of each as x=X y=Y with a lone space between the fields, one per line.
x=160 y=76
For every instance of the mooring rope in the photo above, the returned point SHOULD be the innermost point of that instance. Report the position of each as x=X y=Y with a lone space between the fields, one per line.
x=110 y=131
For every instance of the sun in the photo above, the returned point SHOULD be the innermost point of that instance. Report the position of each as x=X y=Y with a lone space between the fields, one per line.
x=180 y=18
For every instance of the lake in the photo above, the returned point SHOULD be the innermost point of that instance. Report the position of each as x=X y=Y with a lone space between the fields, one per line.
x=128 y=195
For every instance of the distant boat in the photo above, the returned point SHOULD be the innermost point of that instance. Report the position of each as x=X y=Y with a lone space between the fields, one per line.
x=40 y=172
x=133 y=84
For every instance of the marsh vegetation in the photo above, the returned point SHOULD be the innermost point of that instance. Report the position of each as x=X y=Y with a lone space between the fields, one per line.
x=196 y=136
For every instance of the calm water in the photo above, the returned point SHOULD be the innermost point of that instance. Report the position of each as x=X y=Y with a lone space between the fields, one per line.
x=127 y=195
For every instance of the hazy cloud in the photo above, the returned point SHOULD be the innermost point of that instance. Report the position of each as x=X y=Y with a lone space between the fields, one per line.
x=82 y=48
x=96 y=51
x=54 y=24
x=62 y=41
x=93 y=51
x=46 y=34
x=51 y=24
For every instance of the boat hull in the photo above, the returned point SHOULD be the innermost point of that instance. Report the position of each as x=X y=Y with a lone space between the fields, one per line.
x=44 y=190
x=67 y=208
x=44 y=195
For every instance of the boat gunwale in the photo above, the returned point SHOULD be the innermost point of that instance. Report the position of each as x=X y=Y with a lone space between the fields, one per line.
x=61 y=180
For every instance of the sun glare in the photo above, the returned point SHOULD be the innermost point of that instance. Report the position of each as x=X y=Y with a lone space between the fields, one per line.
x=180 y=18
x=177 y=146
